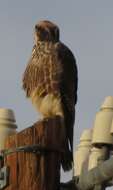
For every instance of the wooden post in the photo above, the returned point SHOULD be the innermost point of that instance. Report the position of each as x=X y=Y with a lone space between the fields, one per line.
x=31 y=171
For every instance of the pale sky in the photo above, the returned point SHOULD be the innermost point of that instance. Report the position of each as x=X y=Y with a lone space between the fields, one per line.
x=86 y=27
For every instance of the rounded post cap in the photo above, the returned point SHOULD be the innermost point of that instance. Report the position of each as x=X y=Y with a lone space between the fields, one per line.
x=108 y=103
x=7 y=114
x=86 y=135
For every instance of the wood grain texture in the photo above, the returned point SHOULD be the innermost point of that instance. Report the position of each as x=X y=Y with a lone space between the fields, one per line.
x=29 y=171
x=12 y=160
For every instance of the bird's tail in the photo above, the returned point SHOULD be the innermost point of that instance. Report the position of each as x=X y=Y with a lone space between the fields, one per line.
x=67 y=156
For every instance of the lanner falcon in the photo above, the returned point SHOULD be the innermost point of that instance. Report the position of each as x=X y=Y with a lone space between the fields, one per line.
x=50 y=80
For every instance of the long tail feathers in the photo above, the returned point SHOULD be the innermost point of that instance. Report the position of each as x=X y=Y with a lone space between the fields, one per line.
x=67 y=159
x=67 y=156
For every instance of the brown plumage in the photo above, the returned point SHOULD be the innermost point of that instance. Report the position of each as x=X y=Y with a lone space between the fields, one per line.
x=51 y=80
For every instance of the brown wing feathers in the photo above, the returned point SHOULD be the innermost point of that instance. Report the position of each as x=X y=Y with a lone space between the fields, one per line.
x=68 y=89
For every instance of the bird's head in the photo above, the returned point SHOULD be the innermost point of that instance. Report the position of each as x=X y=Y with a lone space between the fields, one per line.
x=46 y=31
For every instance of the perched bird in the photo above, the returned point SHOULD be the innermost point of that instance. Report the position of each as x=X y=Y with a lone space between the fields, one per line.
x=50 y=80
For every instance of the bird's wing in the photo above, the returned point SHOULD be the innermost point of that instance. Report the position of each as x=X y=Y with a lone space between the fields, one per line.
x=68 y=89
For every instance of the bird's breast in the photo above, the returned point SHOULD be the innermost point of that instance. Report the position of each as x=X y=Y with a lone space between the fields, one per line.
x=49 y=105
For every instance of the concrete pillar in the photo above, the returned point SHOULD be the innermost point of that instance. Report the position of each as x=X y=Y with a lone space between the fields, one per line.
x=82 y=153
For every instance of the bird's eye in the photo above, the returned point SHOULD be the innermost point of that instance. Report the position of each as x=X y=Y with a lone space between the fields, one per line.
x=36 y=27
